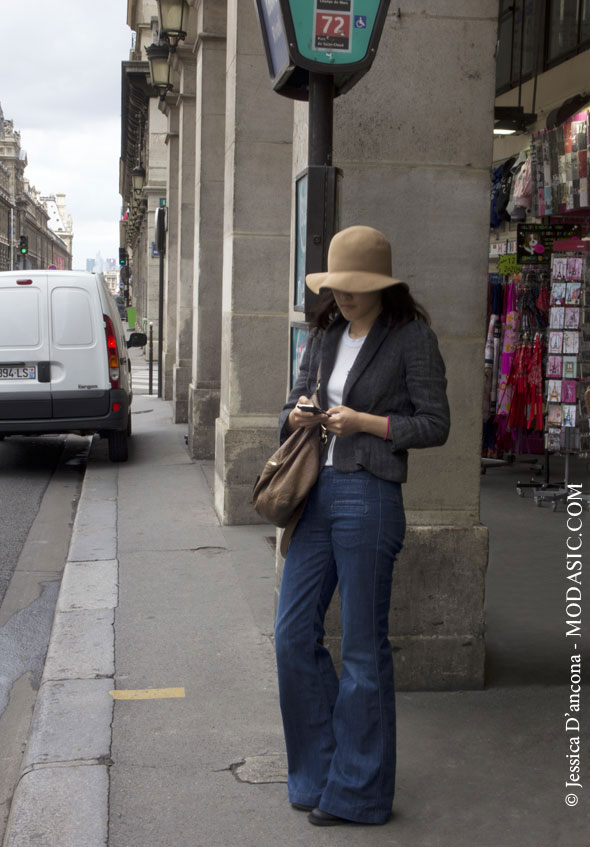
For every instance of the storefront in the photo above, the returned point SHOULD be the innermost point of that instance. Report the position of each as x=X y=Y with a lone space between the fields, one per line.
x=537 y=355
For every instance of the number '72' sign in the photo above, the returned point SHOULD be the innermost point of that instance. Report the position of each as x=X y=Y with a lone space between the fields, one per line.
x=332 y=31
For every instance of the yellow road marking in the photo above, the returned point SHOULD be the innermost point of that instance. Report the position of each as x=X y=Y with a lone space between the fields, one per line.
x=146 y=693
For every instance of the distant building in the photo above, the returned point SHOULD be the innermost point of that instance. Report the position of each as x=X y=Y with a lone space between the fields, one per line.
x=112 y=280
x=100 y=265
x=25 y=213
x=55 y=206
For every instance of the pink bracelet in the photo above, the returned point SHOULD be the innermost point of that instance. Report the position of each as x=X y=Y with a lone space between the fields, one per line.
x=387 y=433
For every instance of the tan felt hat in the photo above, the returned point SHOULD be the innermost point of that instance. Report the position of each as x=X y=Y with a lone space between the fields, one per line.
x=359 y=260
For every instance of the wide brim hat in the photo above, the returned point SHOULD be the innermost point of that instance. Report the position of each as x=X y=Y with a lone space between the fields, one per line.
x=359 y=260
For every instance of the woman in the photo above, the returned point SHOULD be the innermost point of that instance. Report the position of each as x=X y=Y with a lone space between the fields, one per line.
x=382 y=386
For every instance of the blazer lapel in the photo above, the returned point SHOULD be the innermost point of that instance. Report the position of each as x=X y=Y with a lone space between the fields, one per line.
x=373 y=342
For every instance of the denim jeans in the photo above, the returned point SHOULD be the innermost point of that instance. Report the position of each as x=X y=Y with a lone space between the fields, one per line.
x=340 y=733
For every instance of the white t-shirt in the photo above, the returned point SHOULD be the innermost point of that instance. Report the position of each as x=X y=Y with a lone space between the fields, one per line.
x=348 y=350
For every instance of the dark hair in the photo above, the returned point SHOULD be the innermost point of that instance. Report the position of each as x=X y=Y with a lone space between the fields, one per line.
x=399 y=308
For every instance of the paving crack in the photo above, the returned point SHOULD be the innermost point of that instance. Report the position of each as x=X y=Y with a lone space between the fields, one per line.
x=260 y=770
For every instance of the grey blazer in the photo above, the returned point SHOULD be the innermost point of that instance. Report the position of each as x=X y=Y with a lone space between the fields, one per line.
x=399 y=373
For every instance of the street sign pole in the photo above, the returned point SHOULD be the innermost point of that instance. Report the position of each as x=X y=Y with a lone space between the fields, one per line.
x=160 y=323
x=322 y=185
x=160 y=229
x=321 y=119
x=317 y=50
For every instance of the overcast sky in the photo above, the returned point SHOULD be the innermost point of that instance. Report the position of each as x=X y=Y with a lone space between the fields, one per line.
x=60 y=82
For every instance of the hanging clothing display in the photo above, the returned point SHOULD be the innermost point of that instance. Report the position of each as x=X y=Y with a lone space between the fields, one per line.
x=537 y=351
x=511 y=322
x=537 y=358
x=515 y=347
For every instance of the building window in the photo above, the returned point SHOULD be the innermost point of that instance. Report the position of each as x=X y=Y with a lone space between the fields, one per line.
x=516 y=42
x=546 y=32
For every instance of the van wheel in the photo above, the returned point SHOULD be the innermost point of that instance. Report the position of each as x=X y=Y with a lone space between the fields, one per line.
x=129 y=424
x=118 y=451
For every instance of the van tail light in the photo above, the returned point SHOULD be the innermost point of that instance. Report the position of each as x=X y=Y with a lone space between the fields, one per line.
x=112 y=352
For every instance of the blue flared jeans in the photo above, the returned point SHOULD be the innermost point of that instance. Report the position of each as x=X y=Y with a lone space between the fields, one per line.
x=340 y=733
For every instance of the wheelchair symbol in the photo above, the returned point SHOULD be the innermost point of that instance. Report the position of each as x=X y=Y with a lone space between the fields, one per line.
x=360 y=21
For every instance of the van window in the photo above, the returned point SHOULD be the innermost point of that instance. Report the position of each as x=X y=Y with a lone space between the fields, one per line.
x=19 y=318
x=71 y=317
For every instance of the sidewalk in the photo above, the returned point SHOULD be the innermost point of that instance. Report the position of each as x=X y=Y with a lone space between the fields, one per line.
x=158 y=598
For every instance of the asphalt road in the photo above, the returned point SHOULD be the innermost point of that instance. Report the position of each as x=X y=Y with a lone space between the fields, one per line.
x=40 y=481
x=26 y=466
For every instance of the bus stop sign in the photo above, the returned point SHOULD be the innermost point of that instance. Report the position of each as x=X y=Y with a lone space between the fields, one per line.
x=335 y=37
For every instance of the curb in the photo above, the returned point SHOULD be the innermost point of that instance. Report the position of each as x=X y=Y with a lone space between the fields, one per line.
x=62 y=796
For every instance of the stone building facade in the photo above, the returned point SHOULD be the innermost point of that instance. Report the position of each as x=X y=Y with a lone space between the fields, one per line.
x=144 y=141
x=23 y=211
x=414 y=141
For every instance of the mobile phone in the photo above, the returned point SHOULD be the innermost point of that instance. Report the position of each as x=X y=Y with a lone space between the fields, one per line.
x=309 y=407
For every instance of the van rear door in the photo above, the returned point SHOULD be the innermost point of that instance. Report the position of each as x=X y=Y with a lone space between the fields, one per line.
x=80 y=383
x=25 y=390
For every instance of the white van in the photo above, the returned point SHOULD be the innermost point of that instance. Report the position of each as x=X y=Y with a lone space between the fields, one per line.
x=63 y=357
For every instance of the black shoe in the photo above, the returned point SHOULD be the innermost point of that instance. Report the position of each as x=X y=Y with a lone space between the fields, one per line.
x=319 y=818
x=301 y=807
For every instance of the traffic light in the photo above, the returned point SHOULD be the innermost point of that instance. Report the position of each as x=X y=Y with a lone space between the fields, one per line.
x=23 y=247
x=122 y=257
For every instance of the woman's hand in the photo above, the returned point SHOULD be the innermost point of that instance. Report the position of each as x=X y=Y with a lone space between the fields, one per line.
x=298 y=418
x=342 y=421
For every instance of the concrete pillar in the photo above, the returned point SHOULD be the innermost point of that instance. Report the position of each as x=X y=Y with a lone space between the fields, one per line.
x=203 y=400
x=414 y=140
x=151 y=264
x=258 y=152
x=155 y=163
x=185 y=65
x=171 y=265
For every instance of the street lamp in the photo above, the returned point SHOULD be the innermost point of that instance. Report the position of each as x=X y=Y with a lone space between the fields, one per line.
x=159 y=67
x=138 y=179
x=173 y=15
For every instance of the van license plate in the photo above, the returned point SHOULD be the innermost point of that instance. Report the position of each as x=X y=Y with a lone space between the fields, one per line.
x=17 y=372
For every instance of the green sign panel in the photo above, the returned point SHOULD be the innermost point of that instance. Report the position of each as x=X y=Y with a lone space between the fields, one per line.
x=334 y=32
x=508 y=264
x=131 y=316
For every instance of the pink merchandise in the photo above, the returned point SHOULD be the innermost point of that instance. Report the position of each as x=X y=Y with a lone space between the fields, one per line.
x=509 y=341
x=523 y=186
x=568 y=390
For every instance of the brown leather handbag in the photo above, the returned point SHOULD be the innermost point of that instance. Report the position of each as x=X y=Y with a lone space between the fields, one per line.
x=280 y=491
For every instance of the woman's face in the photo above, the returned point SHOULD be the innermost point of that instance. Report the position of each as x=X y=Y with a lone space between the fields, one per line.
x=356 y=307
